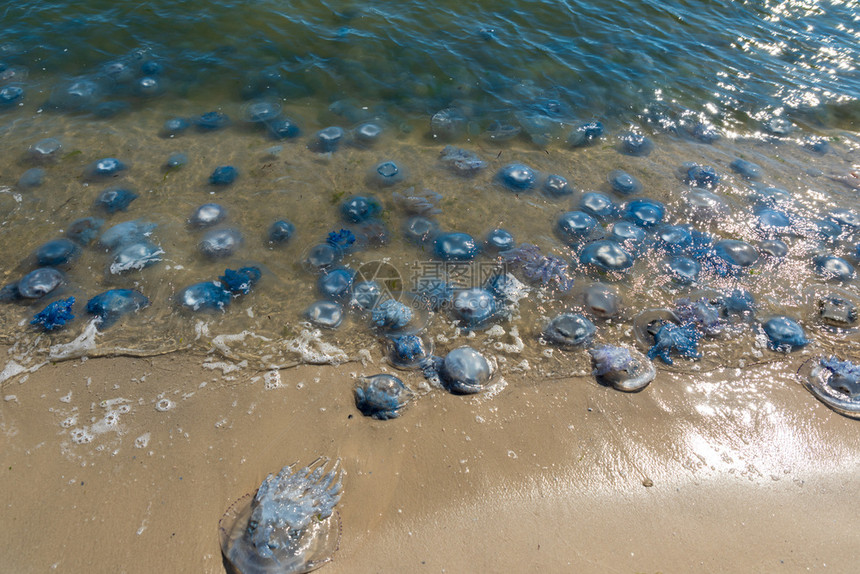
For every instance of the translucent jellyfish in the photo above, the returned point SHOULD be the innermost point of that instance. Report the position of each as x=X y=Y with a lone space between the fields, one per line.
x=386 y=174
x=436 y=292
x=327 y=140
x=106 y=167
x=109 y=306
x=36 y=284
x=834 y=382
x=219 y=243
x=704 y=314
x=634 y=144
x=746 y=169
x=598 y=205
x=585 y=134
x=606 y=255
x=381 y=396
x=627 y=233
x=174 y=127
x=207 y=215
x=547 y=270
x=11 y=95
x=336 y=284
x=517 y=177
x=775 y=248
x=55 y=315
x=455 y=246
x=499 y=240
x=784 y=334
x=738 y=302
x=358 y=209
x=772 y=222
x=321 y=256
x=420 y=230
x=465 y=371
x=281 y=231
x=366 y=294
x=702 y=176
x=669 y=338
x=623 y=183
x=601 y=300
x=367 y=134
x=622 y=368
x=499 y=132
x=705 y=133
x=261 y=112
x=115 y=199
x=674 y=238
x=84 y=230
x=126 y=233
x=424 y=203
x=223 y=175
x=407 y=351
x=326 y=314
x=836 y=310
x=283 y=129
x=816 y=144
x=212 y=121
x=682 y=269
x=447 y=124
x=474 y=307
x=704 y=204
x=461 y=161
x=136 y=256
x=391 y=315
x=573 y=227
x=289 y=526
x=736 y=252
x=644 y=212
x=57 y=253
x=569 y=330
x=44 y=150
x=556 y=186
x=32 y=178
x=833 y=267
x=240 y=281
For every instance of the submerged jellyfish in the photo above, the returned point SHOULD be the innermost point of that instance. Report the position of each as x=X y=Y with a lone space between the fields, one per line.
x=207 y=215
x=585 y=134
x=223 y=175
x=367 y=134
x=465 y=371
x=736 y=252
x=84 y=230
x=126 y=233
x=703 y=313
x=358 y=209
x=548 y=270
x=506 y=288
x=455 y=246
x=671 y=337
x=575 y=226
x=289 y=526
x=435 y=292
x=644 y=212
x=45 y=149
x=607 y=255
x=834 y=382
x=386 y=174
x=391 y=315
x=461 y=161
x=682 y=269
x=625 y=369
x=631 y=143
x=240 y=281
x=381 y=396
x=38 y=283
x=322 y=256
x=601 y=300
x=517 y=177
x=474 y=307
x=115 y=199
x=569 y=330
x=746 y=169
x=833 y=267
x=220 y=242
x=836 y=310
x=674 y=238
x=326 y=314
x=327 y=140
x=702 y=176
x=207 y=295
x=628 y=233
x=336 y=284
x=499 y=240
x=408 y=350
x=55 y=315
x=784 y=334
x=136 y=256
x=424 y=203
x=365 y=294
x=623 y=183
x=33 y=177
x=56 y=253
x=211 y=121
x=106 y=167
x=281 y=231
x=556 y=186
x=598 y=205
x=174 y=127
x=109 y=306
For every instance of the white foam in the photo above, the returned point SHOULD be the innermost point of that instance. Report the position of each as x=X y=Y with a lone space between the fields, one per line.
x=312 y=349
x=272 y=380
x=142 y=441
x=84 y=343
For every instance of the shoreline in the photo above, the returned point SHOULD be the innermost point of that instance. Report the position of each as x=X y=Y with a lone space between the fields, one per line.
x=547 y=475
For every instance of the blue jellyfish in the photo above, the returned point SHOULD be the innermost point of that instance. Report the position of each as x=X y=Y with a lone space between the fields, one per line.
x=455 y=246
x=623 y=183
x=746 y=169
x=84 y=230
x=220 y=243
x=420 y=230
x=671 y=337
x=391 y=315
x=109 y=306
x=115 y=199
x=358 y=209
x=281 y=231
x=57 y=253
x=240 y=281
x=386 y=174
x=499 y=240
x=327 y=140
x=381 y=396
x=833 y=267
x=569 y=330
x=634 y=144
x=136 y=256
x=585 y=134
x=321 y=256
x=702 y=176
x=474 y=307
x=207 y=215
x=575 y=226
x=211 y=121
x=336 y=284
x=408 y=350
x=606 y=255
x=598 y=205
x=556 y=186
x=223 y=175
x=38 y=283
x=55 y=315
x=465 y=371
x=682 y=269
x=206 y=295
x=327 y=314
x=784 y=334
x=517 y=177
x=621 y=368
x=644 y=212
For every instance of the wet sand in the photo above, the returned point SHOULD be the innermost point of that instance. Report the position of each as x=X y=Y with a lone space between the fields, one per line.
x=745 y=471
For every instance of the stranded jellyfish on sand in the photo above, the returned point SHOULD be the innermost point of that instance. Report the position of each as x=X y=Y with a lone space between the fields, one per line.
x=625 y=369
x=381 y=396
x=834 y=382
x=288 y=526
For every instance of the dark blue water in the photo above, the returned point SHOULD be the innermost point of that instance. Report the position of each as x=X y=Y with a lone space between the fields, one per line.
x=665 y=63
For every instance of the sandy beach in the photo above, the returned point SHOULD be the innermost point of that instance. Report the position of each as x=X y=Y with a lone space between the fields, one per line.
x=717 y=471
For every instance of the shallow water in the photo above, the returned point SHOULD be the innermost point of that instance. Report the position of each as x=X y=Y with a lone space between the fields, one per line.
x=766 y=76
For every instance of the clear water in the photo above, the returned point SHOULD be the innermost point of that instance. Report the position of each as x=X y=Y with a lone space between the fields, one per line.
x=765 y=75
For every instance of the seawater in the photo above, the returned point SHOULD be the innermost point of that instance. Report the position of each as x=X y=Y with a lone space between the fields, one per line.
x=765 y=76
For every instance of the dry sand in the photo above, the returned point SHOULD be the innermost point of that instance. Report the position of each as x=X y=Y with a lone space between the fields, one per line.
x=746 y=471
